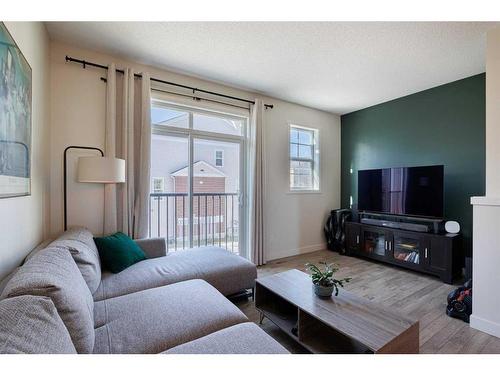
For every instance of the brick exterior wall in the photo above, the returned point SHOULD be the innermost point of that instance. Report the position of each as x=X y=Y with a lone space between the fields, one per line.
x=210 y=206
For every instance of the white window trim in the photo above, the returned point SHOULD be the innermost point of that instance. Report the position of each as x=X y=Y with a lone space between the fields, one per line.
x=316 y=159
x=222 y=158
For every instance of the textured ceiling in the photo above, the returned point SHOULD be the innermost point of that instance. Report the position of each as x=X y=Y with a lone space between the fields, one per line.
x=334 y=66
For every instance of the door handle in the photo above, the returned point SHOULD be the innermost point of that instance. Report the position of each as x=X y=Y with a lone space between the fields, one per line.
x=385 y=245
x=390 y=245
x=425 y=253
x=357 y=239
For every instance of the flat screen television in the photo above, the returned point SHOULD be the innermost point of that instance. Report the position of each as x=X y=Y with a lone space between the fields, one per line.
x=412 y=191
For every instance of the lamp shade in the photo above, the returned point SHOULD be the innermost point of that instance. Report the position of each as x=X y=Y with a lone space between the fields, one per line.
x=101 y=170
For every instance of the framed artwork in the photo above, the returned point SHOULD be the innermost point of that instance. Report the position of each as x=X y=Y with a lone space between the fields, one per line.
x=15 y=118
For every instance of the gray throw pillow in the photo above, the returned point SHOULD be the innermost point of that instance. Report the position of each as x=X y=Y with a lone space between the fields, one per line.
x=31 y=325
x=53 y=273
x=80 y=243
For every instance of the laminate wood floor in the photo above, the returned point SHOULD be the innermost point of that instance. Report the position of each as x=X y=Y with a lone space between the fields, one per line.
x=420 y=296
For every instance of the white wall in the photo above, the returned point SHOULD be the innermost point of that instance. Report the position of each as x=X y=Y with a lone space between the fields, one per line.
x=486 y=265
x=492 y=113
x=24 y=220
x=294 y=221
x=486 y=212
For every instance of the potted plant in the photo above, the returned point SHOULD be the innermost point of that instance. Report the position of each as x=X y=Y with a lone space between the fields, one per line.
x=323 y=281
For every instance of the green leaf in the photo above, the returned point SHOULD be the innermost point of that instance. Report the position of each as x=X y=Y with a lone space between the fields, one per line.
x=325 y=277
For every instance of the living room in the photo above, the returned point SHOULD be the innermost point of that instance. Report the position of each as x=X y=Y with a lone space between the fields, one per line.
x=205 y=188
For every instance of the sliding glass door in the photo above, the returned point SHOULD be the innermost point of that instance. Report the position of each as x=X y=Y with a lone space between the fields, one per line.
x=216 y=193
x=197 y=178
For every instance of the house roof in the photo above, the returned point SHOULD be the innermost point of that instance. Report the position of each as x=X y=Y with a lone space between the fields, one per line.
x=174 y=120
x=200 y=169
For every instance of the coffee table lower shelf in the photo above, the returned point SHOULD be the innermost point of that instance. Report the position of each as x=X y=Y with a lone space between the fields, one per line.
x=320 y=326
x=312 y=334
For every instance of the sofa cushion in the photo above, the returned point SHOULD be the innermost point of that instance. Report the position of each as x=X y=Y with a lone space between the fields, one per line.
x=42 y=245
x=81 y=234
x=245 y=338
x=31 y=325
x=80 y=243
x=7 y=278
x=53 y=273
x=153 y=247
x=118 y=251
x=227 y=272
x=155 y=320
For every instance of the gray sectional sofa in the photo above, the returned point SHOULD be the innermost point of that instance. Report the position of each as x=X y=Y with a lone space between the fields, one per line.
x=60 y=301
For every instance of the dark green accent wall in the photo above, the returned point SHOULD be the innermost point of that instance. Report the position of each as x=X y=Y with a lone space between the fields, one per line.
x=443 y=125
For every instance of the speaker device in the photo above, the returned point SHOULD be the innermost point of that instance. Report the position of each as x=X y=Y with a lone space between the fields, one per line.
x=452 y=227
x=396 y=225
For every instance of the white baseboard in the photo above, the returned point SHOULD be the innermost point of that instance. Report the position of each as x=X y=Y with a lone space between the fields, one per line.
x=285 y=253
x=485 y=325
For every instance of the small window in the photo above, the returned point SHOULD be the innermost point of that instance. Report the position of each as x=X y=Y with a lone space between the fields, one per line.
x=219 y=158
x=304 y=159
x=158 y=184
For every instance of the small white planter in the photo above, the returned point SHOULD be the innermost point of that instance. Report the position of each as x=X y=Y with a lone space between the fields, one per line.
x=323 y=291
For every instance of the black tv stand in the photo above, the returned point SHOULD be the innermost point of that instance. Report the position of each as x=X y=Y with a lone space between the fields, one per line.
x=433 y=253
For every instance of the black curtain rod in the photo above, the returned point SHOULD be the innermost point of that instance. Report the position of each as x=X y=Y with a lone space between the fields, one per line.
x=198 y=98
x=85 y=63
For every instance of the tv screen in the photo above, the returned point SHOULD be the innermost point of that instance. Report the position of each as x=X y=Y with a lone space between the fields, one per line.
x=414 y=191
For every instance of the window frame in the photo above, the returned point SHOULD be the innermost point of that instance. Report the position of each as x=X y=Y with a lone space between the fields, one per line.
x=162 y=179
x=157 y=101
x=315 y=160
x=221 y=158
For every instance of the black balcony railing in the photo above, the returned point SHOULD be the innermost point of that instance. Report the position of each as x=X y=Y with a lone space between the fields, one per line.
x=215 y=220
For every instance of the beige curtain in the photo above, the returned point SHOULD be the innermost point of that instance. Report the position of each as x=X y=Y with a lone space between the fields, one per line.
x=127 y=190
x=110 y=208
x=143 y=161
x=130 y=140
x=257 y=185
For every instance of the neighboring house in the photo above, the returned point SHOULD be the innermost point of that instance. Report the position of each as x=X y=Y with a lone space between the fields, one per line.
x=206 y=179
x=209 y=209
x=217 y=170
x=169 y=154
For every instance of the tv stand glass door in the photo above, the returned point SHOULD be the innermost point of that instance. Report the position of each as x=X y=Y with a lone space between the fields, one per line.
x=409 y=248
x=375 y=243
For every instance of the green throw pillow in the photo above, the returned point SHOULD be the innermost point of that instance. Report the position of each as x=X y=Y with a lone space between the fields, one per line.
x=118 y=251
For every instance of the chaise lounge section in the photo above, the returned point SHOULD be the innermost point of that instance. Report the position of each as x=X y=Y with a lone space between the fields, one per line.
x=227 y=272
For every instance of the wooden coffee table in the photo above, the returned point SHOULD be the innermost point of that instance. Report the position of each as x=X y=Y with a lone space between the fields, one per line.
x=341 y=324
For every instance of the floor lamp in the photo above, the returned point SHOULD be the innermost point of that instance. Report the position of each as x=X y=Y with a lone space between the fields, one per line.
x=93 y=169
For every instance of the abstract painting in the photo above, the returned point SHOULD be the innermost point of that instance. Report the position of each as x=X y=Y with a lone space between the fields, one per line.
x=15 y=118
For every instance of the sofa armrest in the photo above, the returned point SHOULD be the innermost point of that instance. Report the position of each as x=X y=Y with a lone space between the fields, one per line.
x=153 y=247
